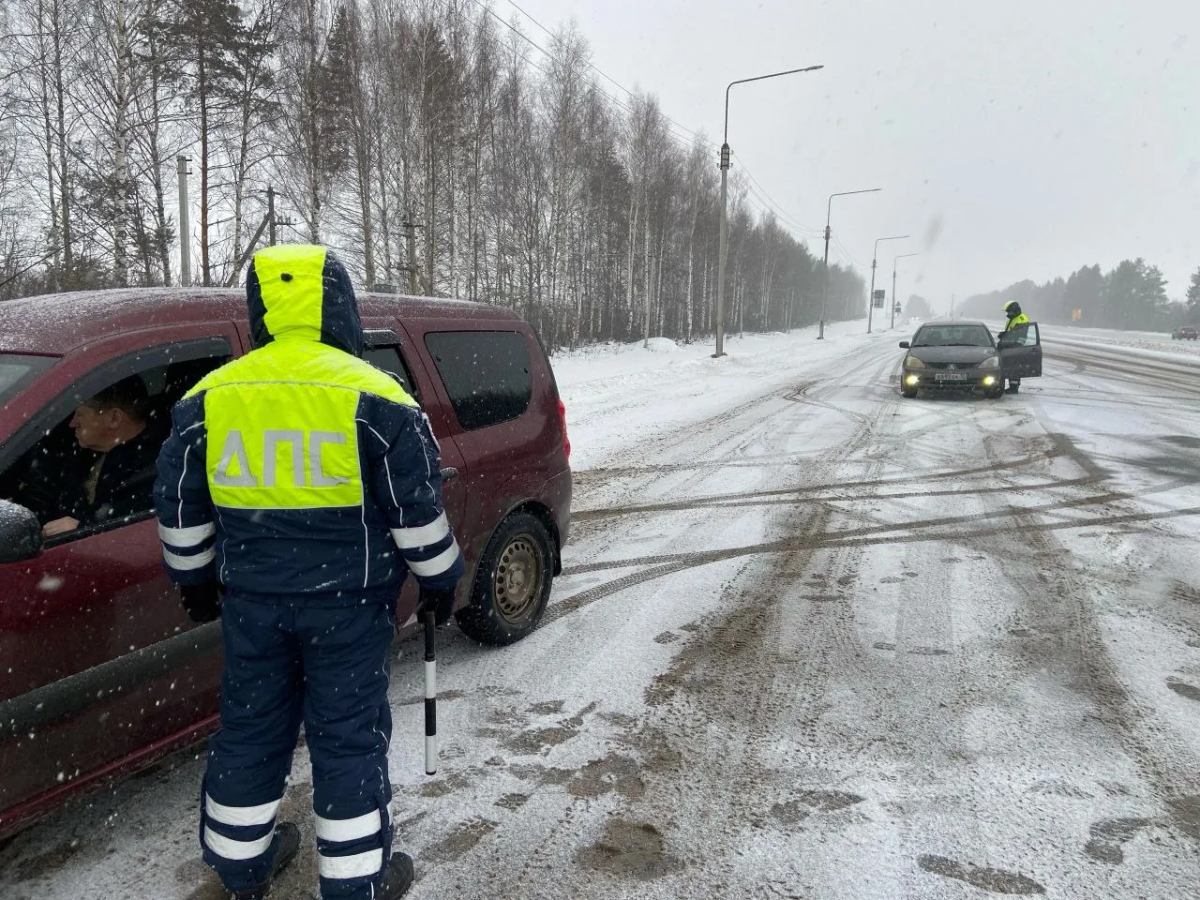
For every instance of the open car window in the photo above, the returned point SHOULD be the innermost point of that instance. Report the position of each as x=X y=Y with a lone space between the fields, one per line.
x=58 y=478
x=1022 y=336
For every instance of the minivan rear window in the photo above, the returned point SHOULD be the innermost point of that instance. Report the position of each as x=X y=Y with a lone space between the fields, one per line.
x=16 y=370
x=486 y=373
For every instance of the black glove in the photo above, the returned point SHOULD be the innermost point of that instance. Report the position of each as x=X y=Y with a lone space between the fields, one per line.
x=440 y=603
x=201 y=601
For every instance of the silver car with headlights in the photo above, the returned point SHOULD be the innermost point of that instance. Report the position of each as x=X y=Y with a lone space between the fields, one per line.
x=957 y=354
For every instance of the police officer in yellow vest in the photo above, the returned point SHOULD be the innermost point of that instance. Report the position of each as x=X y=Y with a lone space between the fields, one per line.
x=1015 y=317
x=297 y=490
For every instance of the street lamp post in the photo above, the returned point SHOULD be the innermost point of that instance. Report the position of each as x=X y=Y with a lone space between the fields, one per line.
x=871 y=302
x=894 y=261
x=720 y=350
x=828 y=234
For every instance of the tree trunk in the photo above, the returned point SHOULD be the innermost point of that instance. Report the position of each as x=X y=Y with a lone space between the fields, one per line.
x=121 y=150
x=64 y=181
x=202 y=99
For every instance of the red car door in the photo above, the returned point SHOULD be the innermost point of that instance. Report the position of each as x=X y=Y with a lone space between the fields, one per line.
x=389 y=347
x=101 y=666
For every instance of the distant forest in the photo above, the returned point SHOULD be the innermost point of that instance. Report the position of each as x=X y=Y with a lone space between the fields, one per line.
x=1132 y=296
x=443 y=147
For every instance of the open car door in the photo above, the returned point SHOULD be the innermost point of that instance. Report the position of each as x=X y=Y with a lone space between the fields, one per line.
x=1021 y=352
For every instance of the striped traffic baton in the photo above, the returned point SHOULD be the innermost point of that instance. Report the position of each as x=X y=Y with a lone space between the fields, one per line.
x=431 y=750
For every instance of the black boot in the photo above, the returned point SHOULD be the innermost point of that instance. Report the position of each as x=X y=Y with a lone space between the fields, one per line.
x=1013 y=387
x=286 y=843
x=398 y=878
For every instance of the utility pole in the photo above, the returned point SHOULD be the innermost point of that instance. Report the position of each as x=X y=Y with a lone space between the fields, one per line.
x=185 y=235
x=896 y=302
x=828 y=234
x=721 y=253
x=410 y=240
x=724 y=244
x=874 y=254
x=271 y=215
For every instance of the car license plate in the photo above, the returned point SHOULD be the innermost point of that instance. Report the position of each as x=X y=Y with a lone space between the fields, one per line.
x=950 y=376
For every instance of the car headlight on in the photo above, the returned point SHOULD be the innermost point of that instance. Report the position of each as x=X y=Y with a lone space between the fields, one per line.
x=992 y=362
x=911 y=362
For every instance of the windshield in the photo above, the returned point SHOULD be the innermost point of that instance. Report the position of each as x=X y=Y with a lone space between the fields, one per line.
x=953 y=336
x=16 y=371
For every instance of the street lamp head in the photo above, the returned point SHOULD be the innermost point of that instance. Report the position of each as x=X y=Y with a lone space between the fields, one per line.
x=729 y=87
x=878 y=241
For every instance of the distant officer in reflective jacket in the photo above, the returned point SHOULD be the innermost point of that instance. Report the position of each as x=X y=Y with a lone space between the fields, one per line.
x=305 y=484
x=1015 y=317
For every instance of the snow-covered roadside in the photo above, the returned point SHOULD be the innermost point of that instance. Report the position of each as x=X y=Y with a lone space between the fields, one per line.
x=1146 y=344
x=812 y=639
x=619 y=394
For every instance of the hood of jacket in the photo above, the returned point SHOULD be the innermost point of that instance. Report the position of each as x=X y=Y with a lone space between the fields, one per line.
x=302 y=292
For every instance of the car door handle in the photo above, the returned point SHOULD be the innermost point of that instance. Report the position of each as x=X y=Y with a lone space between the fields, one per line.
x=449 y=473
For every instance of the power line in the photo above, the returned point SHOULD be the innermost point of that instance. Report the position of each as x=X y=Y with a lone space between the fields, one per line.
x=765 y=203
x=811 y=229
x=846 y=253
x=600 y=71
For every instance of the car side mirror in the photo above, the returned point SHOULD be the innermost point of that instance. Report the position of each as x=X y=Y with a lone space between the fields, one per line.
x=1005 y=342
x=904 y=345
x=20 y=533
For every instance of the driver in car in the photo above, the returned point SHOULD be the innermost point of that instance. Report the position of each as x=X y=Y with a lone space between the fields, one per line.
x=117 y=475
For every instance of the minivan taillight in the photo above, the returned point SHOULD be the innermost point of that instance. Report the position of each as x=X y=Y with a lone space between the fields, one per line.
x=562 y=417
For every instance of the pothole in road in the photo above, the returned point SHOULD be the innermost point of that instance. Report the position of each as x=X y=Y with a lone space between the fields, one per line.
x=1186 y=811
x=1109 y=837
x=461 y=840
x=612 y=773
x=808 y=802
x=630 y=850
x=995 y=881
x=46 y=863
x=535 y=740
x=512 y=801
x=1183 y=689
x=448 y=785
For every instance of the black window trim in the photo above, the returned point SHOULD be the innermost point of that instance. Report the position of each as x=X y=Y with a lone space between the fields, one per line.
x=396 y=344
x=523 y=335
x=113 y=370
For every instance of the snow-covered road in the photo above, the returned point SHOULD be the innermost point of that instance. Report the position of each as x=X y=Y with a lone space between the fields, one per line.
x=813 y=640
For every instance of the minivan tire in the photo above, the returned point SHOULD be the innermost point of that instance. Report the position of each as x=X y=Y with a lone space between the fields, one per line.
x=908 y=393
x=512 y=583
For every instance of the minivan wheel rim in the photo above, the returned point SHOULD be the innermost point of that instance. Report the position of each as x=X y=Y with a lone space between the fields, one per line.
x=518 y=578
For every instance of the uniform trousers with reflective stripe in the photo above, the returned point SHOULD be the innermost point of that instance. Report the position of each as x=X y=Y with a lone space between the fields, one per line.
x=287 y=663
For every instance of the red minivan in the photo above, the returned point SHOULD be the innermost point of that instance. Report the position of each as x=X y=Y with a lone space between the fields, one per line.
x=100 y=670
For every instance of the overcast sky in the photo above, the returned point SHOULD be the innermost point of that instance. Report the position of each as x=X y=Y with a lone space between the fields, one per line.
x=1013 y=139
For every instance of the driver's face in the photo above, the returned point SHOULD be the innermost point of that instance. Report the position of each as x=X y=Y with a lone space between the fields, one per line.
x=93 y=428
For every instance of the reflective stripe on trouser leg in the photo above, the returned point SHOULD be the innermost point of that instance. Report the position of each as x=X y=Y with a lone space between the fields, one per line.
x=347 y=721
x=237 y=840
x=348 y=849
x=250 y=757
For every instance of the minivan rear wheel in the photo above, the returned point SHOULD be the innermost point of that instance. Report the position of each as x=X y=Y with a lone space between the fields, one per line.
x=512 y=584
